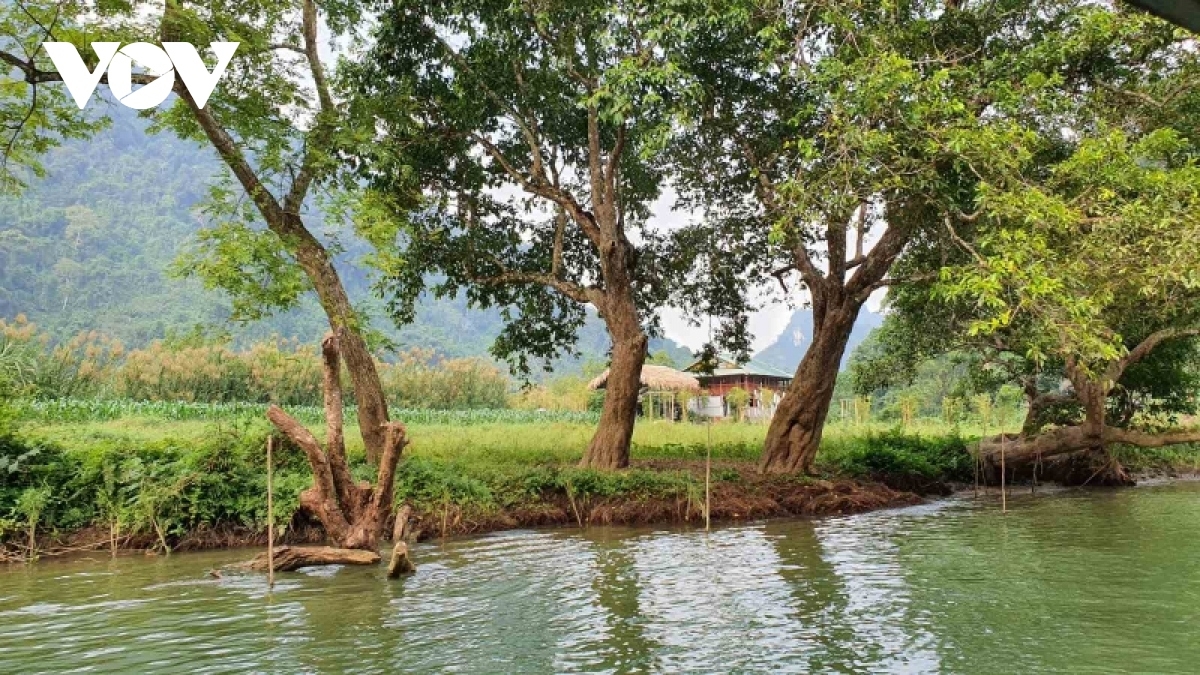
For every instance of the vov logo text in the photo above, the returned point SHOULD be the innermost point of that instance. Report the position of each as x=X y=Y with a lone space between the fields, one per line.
x=161 y=62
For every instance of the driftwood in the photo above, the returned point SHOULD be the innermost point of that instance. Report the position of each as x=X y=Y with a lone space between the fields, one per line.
x=400 y=562
x=289 y=558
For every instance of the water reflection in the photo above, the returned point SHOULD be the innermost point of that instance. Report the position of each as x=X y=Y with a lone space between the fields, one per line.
x=1066 y=582
x=623 y=645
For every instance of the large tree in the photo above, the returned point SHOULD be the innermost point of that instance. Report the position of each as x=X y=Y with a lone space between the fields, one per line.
x=273 y=120
x=534 y=129
x=833 y=136
x=822 y=137
x=1093 y=267
x=1076 y=268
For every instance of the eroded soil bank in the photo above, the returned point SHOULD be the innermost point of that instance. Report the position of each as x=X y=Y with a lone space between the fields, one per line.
x=738 y=493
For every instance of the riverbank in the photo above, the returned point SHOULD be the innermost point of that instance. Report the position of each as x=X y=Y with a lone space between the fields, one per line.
x=740 y=495
x=149 y=482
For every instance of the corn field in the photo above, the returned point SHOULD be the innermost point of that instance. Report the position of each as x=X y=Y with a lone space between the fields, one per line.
x=102 y=410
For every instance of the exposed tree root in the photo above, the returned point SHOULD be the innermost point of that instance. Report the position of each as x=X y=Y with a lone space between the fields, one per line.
x=1074 y=455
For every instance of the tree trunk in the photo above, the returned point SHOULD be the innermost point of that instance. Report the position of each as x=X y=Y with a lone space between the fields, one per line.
x=353 y=514
x=368 y=390
x=609 y=448
x=284 y=220
x=795 y=431
x=1022 y=452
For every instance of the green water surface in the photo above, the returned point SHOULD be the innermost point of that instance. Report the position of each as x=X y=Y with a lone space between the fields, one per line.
x=1067 y=581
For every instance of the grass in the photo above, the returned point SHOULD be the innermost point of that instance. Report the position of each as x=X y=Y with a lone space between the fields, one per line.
x=1169 y=459
x=166 y=475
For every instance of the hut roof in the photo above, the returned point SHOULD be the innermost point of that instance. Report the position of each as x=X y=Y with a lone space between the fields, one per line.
x=657 y=378
x=727 y=365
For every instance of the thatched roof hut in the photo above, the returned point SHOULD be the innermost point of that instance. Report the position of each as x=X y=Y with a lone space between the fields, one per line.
x=656 y=378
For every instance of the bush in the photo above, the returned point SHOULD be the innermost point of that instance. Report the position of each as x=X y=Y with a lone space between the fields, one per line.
x=163 y=489
x=910 y=461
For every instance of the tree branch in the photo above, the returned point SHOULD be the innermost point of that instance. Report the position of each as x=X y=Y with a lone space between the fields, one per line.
x=876 y=264
x=322 y=131
x=586 y=220
x=894 y=281
x=335 y=445
x=961 y=242
x=570 y=289
x=323 y=477
x=613 y=160
x=560 y=231
x=227 y=148
x=1143 y=349
x=531 y=139
x=34 y=75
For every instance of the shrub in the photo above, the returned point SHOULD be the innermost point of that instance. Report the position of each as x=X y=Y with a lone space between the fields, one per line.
x=898 y=458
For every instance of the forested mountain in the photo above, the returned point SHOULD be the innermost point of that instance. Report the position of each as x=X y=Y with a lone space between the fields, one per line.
x=785 y=353
x=90 y=247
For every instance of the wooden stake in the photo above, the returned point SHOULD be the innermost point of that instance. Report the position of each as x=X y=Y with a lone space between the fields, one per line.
x=979 y=452
x=708 y=478
x=400 y=562
x=1003 y=478
x=270 y=515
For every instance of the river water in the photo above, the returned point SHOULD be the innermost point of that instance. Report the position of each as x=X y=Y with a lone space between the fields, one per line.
x=1068 y=581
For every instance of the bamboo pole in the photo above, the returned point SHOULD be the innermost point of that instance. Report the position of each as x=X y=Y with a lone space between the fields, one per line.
x=270 y=514
x=708 y=479
x=1003 y=478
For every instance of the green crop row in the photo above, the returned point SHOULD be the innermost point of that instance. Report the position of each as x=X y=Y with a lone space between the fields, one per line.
x=100 y=410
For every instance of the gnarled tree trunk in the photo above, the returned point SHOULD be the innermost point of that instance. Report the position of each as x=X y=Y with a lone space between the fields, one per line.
x=795 y=431
x=1093 y=435
x=353 y=514
x=1022 y=451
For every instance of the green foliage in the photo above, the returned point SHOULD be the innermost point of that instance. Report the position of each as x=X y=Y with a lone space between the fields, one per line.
x=162 y=490
x=249 y=265
x=1113 y=250
x=1079 y=247
x=536 y=134
x=900 y=458
x=37 y=118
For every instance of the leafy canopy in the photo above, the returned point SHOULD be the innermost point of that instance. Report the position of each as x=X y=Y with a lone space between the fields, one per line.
x=535 y=130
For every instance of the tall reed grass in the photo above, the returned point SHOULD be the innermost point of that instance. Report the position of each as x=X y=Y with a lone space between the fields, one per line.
x=287 y=372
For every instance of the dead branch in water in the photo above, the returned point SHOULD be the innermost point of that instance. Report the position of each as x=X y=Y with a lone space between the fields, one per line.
x=290 y=558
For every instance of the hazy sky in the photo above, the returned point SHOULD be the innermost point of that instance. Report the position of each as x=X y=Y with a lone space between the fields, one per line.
x=766 y=324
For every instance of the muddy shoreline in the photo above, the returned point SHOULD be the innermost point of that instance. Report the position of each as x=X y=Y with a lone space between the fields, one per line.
x=751 y=496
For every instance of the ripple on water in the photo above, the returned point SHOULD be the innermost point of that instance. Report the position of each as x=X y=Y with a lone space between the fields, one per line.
x=1066 y=582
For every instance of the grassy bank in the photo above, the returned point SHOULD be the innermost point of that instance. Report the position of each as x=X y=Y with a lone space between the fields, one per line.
x=171 y=477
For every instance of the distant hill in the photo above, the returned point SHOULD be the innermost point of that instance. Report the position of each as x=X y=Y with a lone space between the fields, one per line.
x=88 y=248
x=785 y=353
